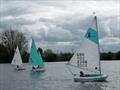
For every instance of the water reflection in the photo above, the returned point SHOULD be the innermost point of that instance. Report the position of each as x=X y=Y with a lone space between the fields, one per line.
x=35 y=75
x=56 y=77
x=90 y=86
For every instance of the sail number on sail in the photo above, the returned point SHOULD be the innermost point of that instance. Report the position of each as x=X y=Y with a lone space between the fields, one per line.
x=81 y=60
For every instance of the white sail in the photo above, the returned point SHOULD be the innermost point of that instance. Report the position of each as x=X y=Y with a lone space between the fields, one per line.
x=17 y=60
x=87 y=56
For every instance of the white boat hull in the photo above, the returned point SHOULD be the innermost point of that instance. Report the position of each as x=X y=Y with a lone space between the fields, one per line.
x=90 y=78
x=38 y=69
x=19 y=69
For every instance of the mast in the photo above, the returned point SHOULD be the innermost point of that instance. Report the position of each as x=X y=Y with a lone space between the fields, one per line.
x=98 y=42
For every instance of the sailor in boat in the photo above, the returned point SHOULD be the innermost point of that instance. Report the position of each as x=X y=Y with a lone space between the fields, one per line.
x=17 y=67
x=82 y=74
x=36 y=67
x=33 y=68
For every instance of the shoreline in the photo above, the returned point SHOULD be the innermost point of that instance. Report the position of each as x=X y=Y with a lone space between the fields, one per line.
x=61 y=61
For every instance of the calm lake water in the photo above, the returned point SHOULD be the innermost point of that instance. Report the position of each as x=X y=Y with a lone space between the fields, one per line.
x=56 y=77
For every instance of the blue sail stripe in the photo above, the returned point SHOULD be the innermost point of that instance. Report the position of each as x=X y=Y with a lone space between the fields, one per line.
x=92 y=35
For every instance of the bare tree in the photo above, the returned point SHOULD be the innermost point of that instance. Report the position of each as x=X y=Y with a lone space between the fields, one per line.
x=13 y=38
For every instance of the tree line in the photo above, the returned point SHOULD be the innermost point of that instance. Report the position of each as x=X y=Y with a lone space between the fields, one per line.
x=12 y=38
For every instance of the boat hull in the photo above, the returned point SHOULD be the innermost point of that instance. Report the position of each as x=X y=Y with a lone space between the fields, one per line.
x=20 y=69
x=90 y=77
x=38 y=69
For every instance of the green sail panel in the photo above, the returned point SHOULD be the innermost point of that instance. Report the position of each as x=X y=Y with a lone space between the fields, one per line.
x=92 y=35
x=35 y=57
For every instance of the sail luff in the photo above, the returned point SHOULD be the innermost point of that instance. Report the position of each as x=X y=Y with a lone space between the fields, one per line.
x=98 y=44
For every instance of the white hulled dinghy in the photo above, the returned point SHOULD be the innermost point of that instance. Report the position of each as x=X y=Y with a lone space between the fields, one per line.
x=87 y=58
x=17 y=60
x=35 y=59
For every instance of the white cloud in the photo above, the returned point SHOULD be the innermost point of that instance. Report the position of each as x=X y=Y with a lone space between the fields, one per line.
x=62 y=24
x=110 y=40
x=110 y=44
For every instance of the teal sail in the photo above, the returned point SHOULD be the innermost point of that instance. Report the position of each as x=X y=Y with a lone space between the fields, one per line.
x=92 y=35
x=35 y=57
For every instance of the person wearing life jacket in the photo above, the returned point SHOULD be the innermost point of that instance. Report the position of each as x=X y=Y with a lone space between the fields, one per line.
x=82 y=74
x=33 y=68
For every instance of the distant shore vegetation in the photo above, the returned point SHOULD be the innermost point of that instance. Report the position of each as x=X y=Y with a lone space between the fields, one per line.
x=10 y=39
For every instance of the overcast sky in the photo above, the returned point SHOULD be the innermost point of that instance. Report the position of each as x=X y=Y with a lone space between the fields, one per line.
x=61 y=24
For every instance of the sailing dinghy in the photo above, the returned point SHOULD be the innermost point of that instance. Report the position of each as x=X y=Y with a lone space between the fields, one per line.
x=87 y=58
x=35 y=59
x=17 y=60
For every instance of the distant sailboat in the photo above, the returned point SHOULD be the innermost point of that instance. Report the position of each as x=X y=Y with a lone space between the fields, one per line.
x=87 y=58
x=35 y=58
x=17 y=60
